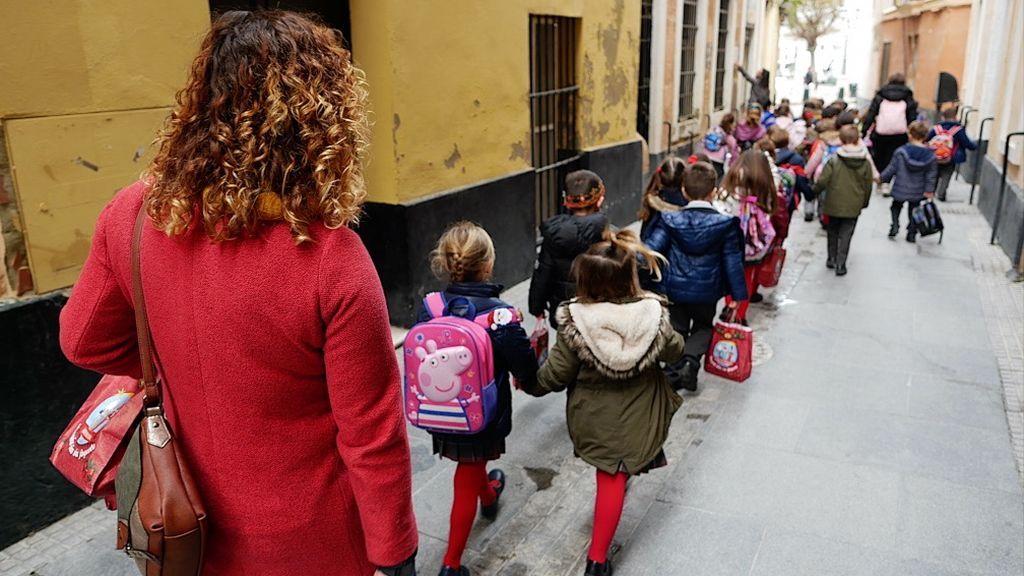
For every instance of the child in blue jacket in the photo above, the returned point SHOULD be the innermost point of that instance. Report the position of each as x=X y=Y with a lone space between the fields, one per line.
x=704 y=249
x=914 y=173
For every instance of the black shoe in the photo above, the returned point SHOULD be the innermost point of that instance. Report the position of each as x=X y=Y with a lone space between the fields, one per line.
x=688 y=375
x=598 y=568
x=942 y=198
x=449 y=571
x=808 y=217
x=491 y=511
x=830 y=264
x=894 y=230
x=756 y=298
x=912 y=238
x=841 y=271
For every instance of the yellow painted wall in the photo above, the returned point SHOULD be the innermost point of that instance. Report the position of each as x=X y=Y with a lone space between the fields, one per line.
x=66 y=168
x=73 y=56
x=449 y=84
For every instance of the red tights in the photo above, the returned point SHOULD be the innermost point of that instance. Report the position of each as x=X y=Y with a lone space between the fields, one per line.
x=471 y=484
x=611 y=495
x=750 y=273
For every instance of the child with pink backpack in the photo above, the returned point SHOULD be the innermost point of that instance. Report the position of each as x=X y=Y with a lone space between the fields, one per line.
x=751 y=193
x=458 y=362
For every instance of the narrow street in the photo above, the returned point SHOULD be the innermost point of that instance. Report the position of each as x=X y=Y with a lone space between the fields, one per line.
x=871 y=440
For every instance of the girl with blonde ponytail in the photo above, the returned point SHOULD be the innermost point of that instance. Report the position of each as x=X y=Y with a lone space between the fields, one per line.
x=464 y=258
x=611 y=338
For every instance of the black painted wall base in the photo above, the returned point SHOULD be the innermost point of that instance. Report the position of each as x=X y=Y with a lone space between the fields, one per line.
x=400 y=237
x=39 y=393
x=1011 y=223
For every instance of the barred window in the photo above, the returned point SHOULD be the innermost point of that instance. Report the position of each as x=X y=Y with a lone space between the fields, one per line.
x=723 y=37
x=688 y=56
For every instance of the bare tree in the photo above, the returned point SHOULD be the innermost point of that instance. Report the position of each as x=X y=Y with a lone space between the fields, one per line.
x=811 y=19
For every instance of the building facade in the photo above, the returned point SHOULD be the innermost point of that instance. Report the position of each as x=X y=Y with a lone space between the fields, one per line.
x=994 y=88
x=480 y=109
x=688 y=52
x=920 y=39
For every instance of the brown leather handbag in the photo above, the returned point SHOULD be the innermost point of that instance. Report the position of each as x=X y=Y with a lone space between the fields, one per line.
x=161 y=522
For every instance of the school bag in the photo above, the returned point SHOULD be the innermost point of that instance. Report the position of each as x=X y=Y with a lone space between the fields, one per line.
x=830 y=151
x=758 y=231
x=927 y=219
x=892 y=118
x=449 y=381
x=714 y=140
x=943 y=144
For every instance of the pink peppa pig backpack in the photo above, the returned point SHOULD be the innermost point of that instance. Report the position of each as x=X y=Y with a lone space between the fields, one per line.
x=449 y=366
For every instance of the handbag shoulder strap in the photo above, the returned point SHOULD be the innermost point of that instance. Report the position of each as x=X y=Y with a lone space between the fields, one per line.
x=150 y=382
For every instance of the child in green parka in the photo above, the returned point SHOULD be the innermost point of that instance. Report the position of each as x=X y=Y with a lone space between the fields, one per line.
x=847 y=176
x=611 y=338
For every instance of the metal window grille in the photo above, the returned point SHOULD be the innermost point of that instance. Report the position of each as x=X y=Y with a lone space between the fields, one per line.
x=723 y=37
x=883 y=75
x=688 y=57
x=553 y=94
x=643 y=99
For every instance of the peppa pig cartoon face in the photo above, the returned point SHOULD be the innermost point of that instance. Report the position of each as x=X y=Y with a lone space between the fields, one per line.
x=439 y=370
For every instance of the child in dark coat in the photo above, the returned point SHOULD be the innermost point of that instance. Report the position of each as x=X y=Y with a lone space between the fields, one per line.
x=465 y=258
x=704 y=249
x=664 y=194
x=914 y=174
x=566 y=236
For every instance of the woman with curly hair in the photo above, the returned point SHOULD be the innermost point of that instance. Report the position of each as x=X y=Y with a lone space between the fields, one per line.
x=267 y=316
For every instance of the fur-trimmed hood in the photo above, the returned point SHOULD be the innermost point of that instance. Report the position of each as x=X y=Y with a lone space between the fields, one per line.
x=620 y=340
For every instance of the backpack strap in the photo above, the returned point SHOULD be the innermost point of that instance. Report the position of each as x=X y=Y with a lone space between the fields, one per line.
x=434 y=304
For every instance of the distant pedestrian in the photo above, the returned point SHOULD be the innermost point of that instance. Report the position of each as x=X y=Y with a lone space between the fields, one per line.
x=611 y=338
x=464 y=257
x=750 y=192
x=664 y=193
x=750 y=130
x=760 y=87
x=563 y=238
x=847 y=177
x=704 y=249
x=949 y=141
x=268 y=320
x=914 y=174
x=887 y=119
x=720 y=143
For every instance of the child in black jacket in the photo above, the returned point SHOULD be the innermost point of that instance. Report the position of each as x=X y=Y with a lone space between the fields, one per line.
x=566 y=236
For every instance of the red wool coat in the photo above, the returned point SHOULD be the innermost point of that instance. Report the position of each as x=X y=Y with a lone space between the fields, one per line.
x=281 y=385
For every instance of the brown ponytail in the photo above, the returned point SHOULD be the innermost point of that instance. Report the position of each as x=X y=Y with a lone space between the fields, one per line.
x=668 y=175
x=607 y=271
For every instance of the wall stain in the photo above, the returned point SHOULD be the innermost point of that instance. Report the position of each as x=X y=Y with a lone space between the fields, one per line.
x=453 y=158
x=615 y=86
x=586 y=99
x=396 y=123
x=602 y=129
x=476 y=103
x=518 y=150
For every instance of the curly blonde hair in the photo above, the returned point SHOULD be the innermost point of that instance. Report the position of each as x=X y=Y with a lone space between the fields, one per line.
x=271 y=125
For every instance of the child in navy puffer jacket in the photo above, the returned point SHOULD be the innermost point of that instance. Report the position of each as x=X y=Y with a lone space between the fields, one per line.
x=704 y=249
x=961 y=143
x=914 y=173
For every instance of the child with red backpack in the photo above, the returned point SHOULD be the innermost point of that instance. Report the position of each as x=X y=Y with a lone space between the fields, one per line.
x=949 y=141
x=458 y=361
x=751 y=193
